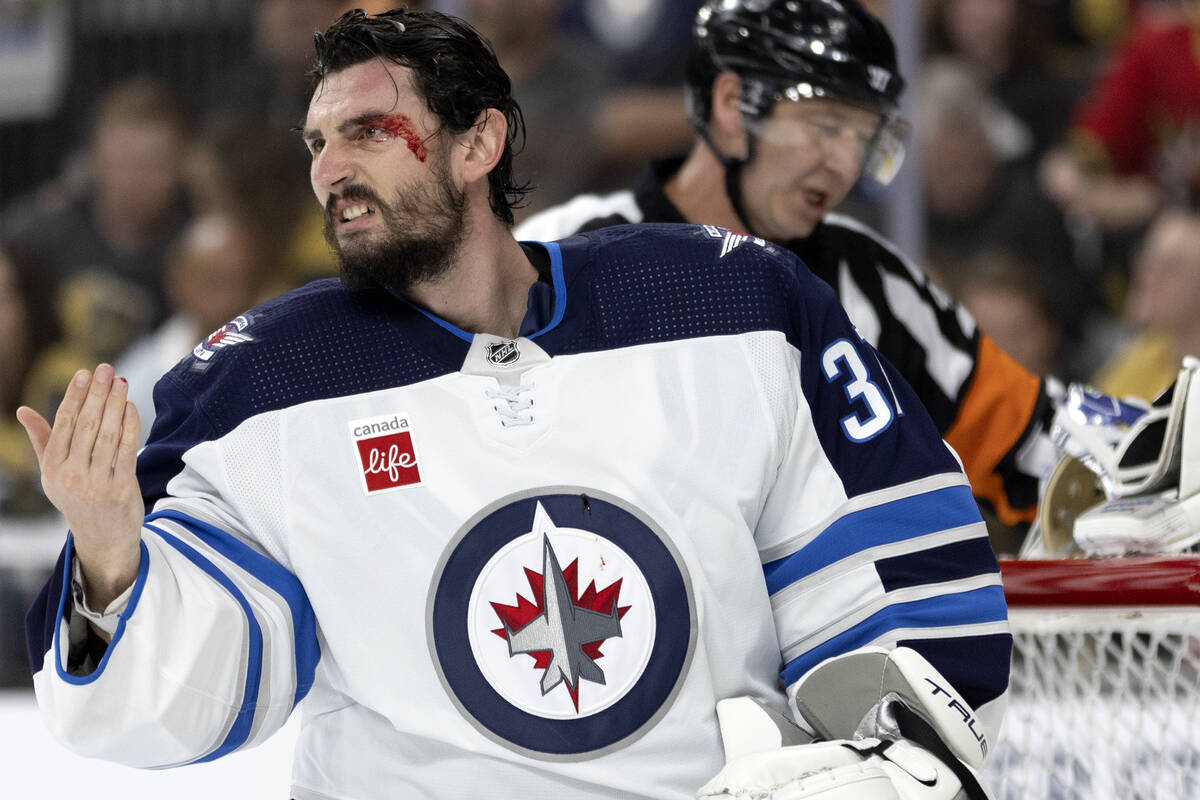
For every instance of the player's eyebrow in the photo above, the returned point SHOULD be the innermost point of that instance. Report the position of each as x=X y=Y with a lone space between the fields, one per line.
x=311 y=134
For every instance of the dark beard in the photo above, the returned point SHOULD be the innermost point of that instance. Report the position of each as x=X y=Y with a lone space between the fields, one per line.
x=423 y=228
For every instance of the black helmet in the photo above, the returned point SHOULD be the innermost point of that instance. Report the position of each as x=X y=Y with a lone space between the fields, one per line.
x=794 y=48
x=799 y=49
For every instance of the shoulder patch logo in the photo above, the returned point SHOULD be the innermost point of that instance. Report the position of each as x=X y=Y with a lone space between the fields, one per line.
x=227 y=335
x=731 y=240
x=385 y=451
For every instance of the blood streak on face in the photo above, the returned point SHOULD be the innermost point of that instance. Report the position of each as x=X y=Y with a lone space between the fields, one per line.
x=400 y=125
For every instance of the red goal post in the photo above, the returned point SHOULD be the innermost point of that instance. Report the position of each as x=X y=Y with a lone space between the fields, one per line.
x=1105 y=688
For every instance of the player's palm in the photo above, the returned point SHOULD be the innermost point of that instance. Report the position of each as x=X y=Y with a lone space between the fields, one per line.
x=88 y=464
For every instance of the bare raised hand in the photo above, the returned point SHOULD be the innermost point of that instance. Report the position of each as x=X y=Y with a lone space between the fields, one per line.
x=88 y=463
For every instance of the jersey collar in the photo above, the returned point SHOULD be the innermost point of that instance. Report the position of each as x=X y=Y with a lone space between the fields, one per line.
x=545 y=307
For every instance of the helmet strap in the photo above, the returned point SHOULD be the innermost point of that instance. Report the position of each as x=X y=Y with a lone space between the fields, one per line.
x=733 y=187
x=733 y=181
x=733 y=172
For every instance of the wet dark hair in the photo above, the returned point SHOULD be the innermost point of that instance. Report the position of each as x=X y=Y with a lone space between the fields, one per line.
x=453 y=68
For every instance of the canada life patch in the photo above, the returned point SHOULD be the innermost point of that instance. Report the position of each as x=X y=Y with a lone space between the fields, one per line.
x=562 y=623
x=385 y=451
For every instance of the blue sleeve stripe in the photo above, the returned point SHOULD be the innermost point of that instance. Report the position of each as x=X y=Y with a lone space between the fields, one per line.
x=965 y=608
x=886 y=523
x=239 y=732
x=272 y=574
x=65 y=598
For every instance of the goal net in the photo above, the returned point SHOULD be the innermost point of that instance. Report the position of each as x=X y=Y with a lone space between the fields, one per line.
x=1105 y=688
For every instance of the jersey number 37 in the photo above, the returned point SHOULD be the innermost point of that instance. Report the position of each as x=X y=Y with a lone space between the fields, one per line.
x=841 y=361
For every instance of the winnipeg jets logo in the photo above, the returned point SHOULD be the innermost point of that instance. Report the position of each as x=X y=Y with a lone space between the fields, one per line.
x=547 y=646
x=227 y=335
x=561 y=622
x=566 y=634
x=731 y=240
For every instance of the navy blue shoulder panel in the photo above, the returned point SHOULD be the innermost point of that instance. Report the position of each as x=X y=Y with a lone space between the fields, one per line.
x=316 y=342
x=636 y=284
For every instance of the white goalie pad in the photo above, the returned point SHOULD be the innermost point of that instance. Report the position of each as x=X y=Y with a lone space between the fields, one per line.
x=890 y=727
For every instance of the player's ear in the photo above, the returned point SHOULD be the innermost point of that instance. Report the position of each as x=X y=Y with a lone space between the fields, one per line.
x=483 y=144
x=726 y=125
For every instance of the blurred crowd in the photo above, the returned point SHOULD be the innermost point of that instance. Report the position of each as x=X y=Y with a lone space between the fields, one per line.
x=148 y=194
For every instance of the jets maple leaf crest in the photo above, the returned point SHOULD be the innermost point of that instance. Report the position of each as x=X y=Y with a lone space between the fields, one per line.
x=561 y=628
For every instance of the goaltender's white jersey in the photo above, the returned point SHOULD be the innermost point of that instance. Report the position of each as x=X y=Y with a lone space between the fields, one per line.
x=530 y=567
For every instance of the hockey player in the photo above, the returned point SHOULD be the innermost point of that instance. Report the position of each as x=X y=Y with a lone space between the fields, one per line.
x=512 y=519
x=791 y=101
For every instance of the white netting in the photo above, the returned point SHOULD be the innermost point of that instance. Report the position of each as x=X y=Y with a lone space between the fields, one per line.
x=1105 y=705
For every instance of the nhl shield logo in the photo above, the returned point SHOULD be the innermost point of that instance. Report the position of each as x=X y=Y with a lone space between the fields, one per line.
x=562 y=623
x=504 y=353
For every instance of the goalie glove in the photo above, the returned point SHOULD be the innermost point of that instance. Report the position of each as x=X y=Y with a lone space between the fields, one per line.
x=866 y=769
x=896 y=730
x=1134 y=449
x=1144 y=493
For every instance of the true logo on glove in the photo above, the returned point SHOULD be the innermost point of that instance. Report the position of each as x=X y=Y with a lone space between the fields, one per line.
x=386 y=453
x=969 y=718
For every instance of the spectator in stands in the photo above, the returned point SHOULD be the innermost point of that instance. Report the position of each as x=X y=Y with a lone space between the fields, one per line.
x=269 y=83
x=235 y=171
x=586 y=127
x=645 y=45
x=1163 y=301
x=213 y=274
x=1009 y=299
x=24 y=331
x=978 y=198
x=15 y=344
x=110 y=233
x=96 y=312
x=558 y=82
x=1006 y=44
x=1135 y=137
